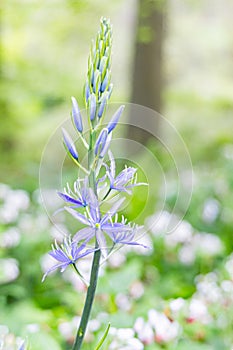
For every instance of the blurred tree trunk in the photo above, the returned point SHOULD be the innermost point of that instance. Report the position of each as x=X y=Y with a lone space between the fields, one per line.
x=147 y=80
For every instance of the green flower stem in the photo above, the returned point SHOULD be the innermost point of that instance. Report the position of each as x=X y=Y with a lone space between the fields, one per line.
x=95 y=264
x=89 y=301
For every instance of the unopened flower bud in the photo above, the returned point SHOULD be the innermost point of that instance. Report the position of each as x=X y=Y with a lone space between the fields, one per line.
x=92 y=106
x=102 y=105
x=76 y=115
x=113 y=122
x=101 y=141
x=69 y=144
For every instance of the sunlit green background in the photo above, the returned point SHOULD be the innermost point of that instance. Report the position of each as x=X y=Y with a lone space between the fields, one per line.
x=44 y=50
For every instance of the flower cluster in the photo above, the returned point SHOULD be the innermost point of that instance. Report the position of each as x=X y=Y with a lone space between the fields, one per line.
x=99 y=181
x=159 y=328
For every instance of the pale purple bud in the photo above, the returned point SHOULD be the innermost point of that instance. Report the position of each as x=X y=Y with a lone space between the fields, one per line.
x=102 y=105
x=92 y=104
x=105 y=82
x=110 y=90
x=87 y=91
x=97 y=81
x=100 y=143
x=103 y=64
x=97 y=60
x=101 y=47
x=106 y=146
x=69 y=144
x=113 y=122
x=76 y=115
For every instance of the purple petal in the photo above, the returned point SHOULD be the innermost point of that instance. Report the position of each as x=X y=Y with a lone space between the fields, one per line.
x=124 y=177
x=78 y=216
x=70 y=199
x=84 y=191
x=75 y=250
x=115 y=227
x=53 y=268
x=102 y=242
x=135 y=243
x=112 y=211
x=59 y=255
x=87 y=233
x=94 y=207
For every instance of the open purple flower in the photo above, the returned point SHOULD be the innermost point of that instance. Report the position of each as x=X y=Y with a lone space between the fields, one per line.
x=67 y=254
x=124 y=180
x=96 y=223
x=78 y=197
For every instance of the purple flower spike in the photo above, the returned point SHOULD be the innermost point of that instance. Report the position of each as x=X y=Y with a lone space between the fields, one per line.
x=66 y=254
x=113 y=122
x=69 y=144
x=92 y=101
x=76 y=115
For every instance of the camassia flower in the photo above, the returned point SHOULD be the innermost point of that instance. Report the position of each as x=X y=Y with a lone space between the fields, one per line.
x=78 y=197
x=98 y=224
x=67 y=254
x=124 y=180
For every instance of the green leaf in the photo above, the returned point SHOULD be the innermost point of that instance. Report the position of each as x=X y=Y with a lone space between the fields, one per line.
x=103 y=338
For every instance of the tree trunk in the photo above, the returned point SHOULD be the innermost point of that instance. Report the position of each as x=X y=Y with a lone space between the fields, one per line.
x=147 y=67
